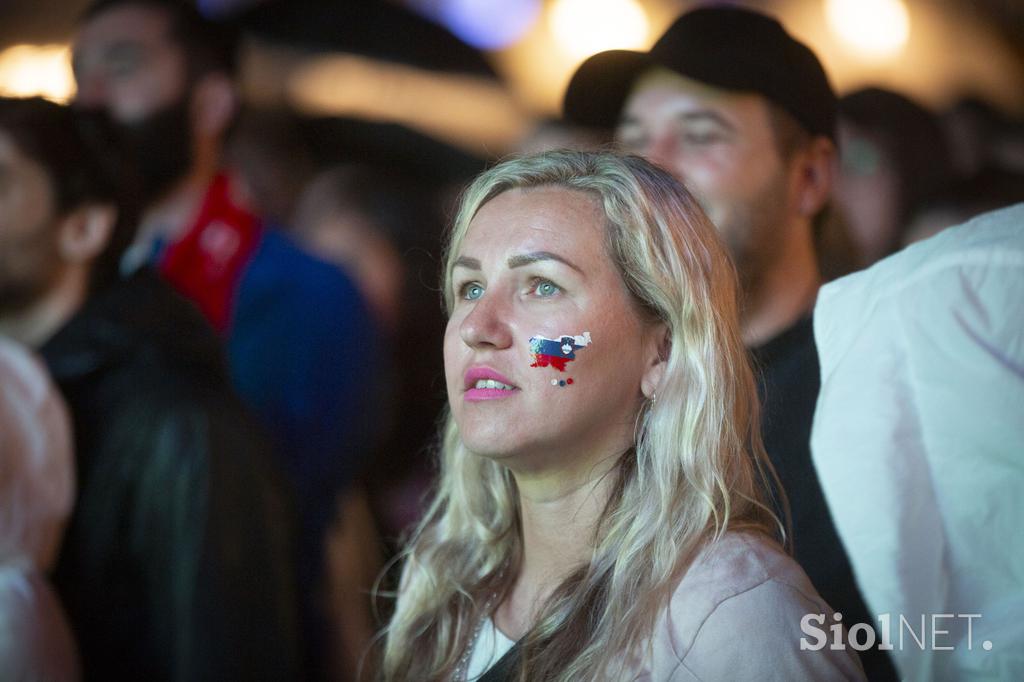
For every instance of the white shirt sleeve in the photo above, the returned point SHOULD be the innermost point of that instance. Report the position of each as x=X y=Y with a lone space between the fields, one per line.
x=918 y=440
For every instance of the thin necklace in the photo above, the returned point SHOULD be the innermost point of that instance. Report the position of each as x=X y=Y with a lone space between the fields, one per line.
x=461 y=671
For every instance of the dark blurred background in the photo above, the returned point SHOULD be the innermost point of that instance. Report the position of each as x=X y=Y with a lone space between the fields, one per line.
x=476 y=74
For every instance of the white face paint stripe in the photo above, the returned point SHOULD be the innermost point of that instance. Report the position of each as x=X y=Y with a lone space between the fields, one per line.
x=542 y=344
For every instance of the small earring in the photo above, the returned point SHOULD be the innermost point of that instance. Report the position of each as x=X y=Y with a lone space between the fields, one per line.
x=654 y=398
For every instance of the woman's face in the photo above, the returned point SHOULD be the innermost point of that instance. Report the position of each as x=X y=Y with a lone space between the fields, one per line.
x=541 y=311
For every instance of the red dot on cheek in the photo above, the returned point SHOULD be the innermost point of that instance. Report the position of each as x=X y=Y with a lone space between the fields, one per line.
x=569 y=380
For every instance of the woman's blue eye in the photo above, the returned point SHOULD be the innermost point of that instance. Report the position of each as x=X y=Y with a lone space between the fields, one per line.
x=545 y=289
x=472 y=292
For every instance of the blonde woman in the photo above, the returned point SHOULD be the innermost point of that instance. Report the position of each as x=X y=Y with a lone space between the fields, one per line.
x=600 y=513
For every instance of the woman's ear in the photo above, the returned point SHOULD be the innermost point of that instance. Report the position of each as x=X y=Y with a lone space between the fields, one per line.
x=85 y=232
x=659 y=345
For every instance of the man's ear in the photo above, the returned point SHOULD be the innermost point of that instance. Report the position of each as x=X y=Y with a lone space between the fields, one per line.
x=815 y=169
x=214 y=104
x=659 y=345
x=85 y=232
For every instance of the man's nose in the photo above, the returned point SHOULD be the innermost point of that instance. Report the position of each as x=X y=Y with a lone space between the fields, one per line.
x=487 y=325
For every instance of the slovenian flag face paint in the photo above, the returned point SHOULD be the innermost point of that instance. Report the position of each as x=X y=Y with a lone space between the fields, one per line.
x=557 y=352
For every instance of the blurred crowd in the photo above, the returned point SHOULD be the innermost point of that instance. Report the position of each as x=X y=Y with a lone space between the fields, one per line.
x=220 y=339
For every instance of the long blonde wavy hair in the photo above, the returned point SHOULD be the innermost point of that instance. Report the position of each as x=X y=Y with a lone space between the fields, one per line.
x=696 y=469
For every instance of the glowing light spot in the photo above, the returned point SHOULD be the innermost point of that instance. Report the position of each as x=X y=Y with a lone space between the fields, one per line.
x=584 y=27
x=454 y=107
x=875 y=28
x=569 y=380
x=37 y=70
x=489 y=24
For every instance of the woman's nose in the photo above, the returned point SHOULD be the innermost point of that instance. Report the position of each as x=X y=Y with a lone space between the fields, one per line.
x=487 y=325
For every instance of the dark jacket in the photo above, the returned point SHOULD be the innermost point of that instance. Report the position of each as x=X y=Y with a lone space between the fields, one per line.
x=788 y=384
x=176 y=563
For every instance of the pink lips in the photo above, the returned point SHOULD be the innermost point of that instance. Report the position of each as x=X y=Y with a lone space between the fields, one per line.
x=475 y=374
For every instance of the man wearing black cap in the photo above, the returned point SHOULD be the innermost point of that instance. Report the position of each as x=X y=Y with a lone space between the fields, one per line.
x=744 y=115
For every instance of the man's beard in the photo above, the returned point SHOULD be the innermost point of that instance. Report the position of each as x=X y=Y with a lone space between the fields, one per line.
x=156 y=151
x=753 y=235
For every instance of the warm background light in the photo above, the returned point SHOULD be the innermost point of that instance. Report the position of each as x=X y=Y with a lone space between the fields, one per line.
x=875 y=28
x=949 y=53
x=37 y=70
x=584 y=27
x=474 y=113
x=538 y=66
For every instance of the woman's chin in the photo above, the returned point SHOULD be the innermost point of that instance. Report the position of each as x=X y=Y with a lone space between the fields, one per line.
x=512 y=453
x=498 y=452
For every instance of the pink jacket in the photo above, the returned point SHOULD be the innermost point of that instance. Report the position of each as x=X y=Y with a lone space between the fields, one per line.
x=736 y=615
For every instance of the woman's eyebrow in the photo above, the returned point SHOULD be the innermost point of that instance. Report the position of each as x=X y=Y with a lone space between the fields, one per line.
x=520 y=260
x=467 y=262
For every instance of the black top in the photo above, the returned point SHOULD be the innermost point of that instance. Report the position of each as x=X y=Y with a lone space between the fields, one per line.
x=175 y=564
x=788 y=382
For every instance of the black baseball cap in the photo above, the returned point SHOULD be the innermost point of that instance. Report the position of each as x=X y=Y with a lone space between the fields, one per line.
x=732 y=48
